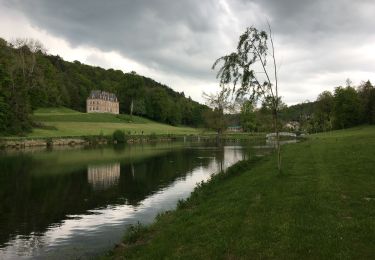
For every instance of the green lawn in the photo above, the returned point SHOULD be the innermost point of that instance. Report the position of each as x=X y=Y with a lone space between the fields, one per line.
x=322 y=206
x=66 y=122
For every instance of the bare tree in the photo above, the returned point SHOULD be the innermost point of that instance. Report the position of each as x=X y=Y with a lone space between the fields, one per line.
x=248 y=71
x=24 y=56
x=220 y=103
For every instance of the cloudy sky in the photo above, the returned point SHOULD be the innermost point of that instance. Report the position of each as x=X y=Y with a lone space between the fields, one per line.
x=319 y=43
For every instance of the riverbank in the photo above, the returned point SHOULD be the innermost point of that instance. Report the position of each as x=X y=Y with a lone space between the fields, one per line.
x=321 y=206
x=72 y=141
x=66 y=127
x=76 y=141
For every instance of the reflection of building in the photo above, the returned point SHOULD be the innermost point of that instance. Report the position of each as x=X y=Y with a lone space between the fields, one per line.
x=103 y=176
x=102 y=102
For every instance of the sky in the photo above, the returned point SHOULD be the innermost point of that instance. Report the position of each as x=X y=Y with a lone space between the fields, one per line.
x=319 y=44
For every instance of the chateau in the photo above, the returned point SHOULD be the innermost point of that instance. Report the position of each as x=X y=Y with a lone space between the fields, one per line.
x=102 y=102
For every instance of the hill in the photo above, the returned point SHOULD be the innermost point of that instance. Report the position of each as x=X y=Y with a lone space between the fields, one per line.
x=59 y=122
x=32 y=79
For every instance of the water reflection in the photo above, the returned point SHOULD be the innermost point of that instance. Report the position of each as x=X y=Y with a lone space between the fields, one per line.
x=102 y=177
x=79 y=210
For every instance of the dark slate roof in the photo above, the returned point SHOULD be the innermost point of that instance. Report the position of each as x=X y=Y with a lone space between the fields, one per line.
x=98 y=94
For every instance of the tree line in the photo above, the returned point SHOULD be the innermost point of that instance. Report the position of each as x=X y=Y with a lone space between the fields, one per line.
x=30 y=78
x=345 y=107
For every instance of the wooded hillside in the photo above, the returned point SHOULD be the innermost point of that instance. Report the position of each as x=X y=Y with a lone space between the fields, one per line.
x=30 y=79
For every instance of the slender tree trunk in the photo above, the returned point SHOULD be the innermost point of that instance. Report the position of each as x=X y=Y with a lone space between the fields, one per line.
x=278 y=147
x=131 y=109
x=276 y=103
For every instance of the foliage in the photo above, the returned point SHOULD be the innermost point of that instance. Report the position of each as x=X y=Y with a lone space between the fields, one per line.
x=119 y=136
x=134 y=89
x=215 y=120
x=219 y=102
x=346 y=107
x=366 y=94
x=324 y=111
x=248 y=116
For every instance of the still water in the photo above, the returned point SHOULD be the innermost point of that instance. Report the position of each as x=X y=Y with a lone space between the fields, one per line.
x=78 y=203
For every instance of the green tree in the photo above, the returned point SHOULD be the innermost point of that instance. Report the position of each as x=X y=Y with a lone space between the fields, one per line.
x=160 y=105
x=219 y=102
x=134 y=89
x=21 y=76
x=139 y=107
x=346 y=109
x=366 y=94
x=241 y=68
x=248 y=116
x=323 y=114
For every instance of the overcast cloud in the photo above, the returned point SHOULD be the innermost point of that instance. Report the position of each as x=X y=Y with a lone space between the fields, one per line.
x=319 y=43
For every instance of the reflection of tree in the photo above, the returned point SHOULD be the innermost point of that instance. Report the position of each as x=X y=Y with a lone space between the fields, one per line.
x=139 y=180
x=32 y=202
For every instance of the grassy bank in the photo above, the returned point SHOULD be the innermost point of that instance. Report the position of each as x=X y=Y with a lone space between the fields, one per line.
x=321 y=207
x=64 y=122
x=60 y=122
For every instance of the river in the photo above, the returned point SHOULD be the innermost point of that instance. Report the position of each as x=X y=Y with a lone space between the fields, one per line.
x=77 y=203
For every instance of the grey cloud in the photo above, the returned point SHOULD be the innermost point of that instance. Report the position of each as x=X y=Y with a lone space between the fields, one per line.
x=154 y=33
x=185 y=37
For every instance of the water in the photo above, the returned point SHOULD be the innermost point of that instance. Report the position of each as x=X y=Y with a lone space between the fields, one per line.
x=78 y=203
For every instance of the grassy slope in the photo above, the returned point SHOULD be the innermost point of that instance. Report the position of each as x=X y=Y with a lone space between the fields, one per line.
x=323 y=206
x=72 y=123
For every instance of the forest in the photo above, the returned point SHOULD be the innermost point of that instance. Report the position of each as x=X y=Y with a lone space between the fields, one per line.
x=30 y=79
x=345 y=107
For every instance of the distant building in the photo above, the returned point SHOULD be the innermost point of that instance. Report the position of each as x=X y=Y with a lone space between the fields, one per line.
x=235 y=128
x=102 y=102
x=292 y=126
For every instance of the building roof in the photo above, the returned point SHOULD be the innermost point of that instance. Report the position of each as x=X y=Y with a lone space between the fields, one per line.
x=98 y=94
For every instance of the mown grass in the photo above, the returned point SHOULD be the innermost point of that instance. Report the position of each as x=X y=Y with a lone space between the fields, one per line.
x=322 y=206
x=60 y=122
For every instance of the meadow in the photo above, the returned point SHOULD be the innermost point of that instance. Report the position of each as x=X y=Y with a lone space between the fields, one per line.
x=321 y=206
x=60 y=122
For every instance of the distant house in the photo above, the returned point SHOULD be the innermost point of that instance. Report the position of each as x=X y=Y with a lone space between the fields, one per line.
x=292 y=126
x=102 y=102
x=235 y=128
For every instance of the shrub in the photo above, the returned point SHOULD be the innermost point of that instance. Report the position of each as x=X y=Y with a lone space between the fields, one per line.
x=119 y=136
x=49 y=142
x=153 y=136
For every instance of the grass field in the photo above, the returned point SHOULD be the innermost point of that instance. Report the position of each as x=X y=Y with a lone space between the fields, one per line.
x=59 y=122
x=322 y=206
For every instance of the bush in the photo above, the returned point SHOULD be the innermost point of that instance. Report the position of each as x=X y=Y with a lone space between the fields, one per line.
x=153 y=136
x=49 y=142
x=119 y=136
